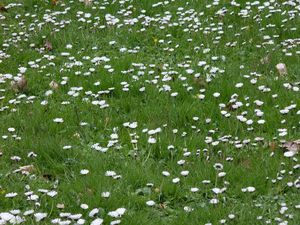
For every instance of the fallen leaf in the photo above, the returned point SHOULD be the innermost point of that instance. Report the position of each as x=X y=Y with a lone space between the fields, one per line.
x=53 y=85
x=246 y=163
x=156 y=190
x=25 y=169
x=90 y=191
x=230 y=107
x=48 y=177
x=2 y=8
x=272 y=146
x=200 y=82
x=265 y=60
x=60 y=206
x=88 y=2
x=162 y=206
x=48 y=46
x=19 y=85
x=54 y=2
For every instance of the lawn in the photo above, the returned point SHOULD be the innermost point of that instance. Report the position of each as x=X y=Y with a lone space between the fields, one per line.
x=146 y=112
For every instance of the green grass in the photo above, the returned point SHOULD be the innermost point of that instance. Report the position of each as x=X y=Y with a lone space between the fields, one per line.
x=142 y=163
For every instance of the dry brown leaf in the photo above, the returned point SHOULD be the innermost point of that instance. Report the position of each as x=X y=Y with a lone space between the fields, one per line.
x=19 y=85
x=246 y=163
x=199 y=82
x=230 y=107
x=25 y=169
x=48 y=177
x=273 y=146
x=156 y=190
x=48 y=46
x=107 y=119
x=60 y=206
x=54 y=2
x=265 y=60
x=89 y=191
x=2 y=8
x=88 y=2
x=22 y=84
x=53 y=85
x=162 y=205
